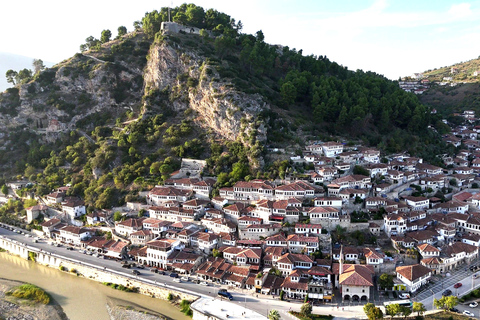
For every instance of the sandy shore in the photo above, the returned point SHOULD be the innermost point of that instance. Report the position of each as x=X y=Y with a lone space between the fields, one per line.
x=20 y=309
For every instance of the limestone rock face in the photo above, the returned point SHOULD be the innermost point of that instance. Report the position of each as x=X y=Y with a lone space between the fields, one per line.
x=219 y=105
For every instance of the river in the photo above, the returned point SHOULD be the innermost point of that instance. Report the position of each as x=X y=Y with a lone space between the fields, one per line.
x=80 y=298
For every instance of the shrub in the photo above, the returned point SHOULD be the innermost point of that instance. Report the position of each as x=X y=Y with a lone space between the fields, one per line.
x=185 y=307
x=62 y=268
x=30 y=292
x=170 y=296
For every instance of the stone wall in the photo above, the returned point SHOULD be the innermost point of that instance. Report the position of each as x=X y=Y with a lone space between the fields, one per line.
x=92 y=272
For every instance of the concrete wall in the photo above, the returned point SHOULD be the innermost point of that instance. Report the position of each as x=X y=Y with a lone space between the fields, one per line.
x=93 y=272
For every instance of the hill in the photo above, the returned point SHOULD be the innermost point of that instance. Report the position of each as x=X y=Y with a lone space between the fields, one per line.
x=118 y=117
x=15 y=62
x=465 y=72
x=448 y=100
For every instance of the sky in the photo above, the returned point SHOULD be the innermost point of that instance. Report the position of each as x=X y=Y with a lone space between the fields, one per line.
x=390 y=37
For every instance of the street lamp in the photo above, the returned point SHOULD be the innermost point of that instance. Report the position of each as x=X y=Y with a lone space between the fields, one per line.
x=433 y=297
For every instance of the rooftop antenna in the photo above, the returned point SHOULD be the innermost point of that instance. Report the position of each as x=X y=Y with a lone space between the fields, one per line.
x=171 y=5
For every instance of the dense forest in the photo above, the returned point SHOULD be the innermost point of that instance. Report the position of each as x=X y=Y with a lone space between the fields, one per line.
x=311 y=98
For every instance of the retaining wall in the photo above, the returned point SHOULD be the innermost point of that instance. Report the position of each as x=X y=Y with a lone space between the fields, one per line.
x=93 y=272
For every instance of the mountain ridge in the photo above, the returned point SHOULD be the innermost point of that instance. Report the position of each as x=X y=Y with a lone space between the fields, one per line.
x=118 y=117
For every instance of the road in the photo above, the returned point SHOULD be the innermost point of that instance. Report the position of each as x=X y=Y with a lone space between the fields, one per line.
x=463 y=275
x=241 y=297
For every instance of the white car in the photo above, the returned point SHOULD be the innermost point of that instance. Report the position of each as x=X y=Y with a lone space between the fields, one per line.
x=204 y=283
x=474 y=304
x=404 y=296
x=177 y=280
x=468 y=313
x=185 y=278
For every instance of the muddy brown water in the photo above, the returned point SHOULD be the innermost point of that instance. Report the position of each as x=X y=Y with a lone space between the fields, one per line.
x=80 y=298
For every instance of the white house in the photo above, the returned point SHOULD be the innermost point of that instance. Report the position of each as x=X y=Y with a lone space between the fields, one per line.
x=73 y=207
x=414 y=276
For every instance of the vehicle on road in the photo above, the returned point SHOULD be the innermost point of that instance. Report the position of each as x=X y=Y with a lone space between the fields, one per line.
x=154 y=270
x=174 y=275
x=70 y=248
x=468 y=313
x=404 y=296
x=136 y=272
x=185 y=278
x=455 y=310
x=476 y=275
x=406 y=303
x=225 y=294
x=447 y=293
x=141 y=266
x=204 y=283
x=474 y=304
x=457 y=285
x=126 y=266
x=177 y=280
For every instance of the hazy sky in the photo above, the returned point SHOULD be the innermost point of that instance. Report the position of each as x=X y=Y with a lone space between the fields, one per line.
x=391 y=37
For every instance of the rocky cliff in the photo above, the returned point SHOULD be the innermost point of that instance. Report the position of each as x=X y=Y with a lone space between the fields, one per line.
x=195 y=83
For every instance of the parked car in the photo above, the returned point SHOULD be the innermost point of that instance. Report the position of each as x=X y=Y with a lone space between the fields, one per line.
x=454 y=310
x=162 y=272
x=225 y=294
x=177 y=280
x=404 y=296
x=457 y=285
x=204 y=283
x=126 y=266
x=69 y=248
x=447 y=293
x=174 y=275
x=474 y=304
x=185 y=278
x=155 y=270
x=468 y=313
x=136 y=272
x=140 y=266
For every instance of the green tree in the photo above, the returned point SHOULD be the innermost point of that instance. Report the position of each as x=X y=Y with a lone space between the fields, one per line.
x=445 y=303
x=372 y=312
x=419 y=308
x=288 y=92
x=24 y=75
x=121 y=31
x=393 y=309
x=195 y=15
x=137 y=25
x=106 y=35
x=224 y=45
x=5 y=189
x=385 y=281
x=273 y=315
x=38 y=65
x=405 y=311
x=360 y=170
x=117 y=216
x=217 y=253
x=11 y=76
x=306 y=309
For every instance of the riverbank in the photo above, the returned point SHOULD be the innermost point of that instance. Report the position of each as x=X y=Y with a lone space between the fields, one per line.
x=96 y=296
x=15 y=308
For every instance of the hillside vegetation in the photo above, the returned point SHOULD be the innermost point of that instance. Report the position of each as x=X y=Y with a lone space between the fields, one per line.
x=459 y=72
x=130 y=108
